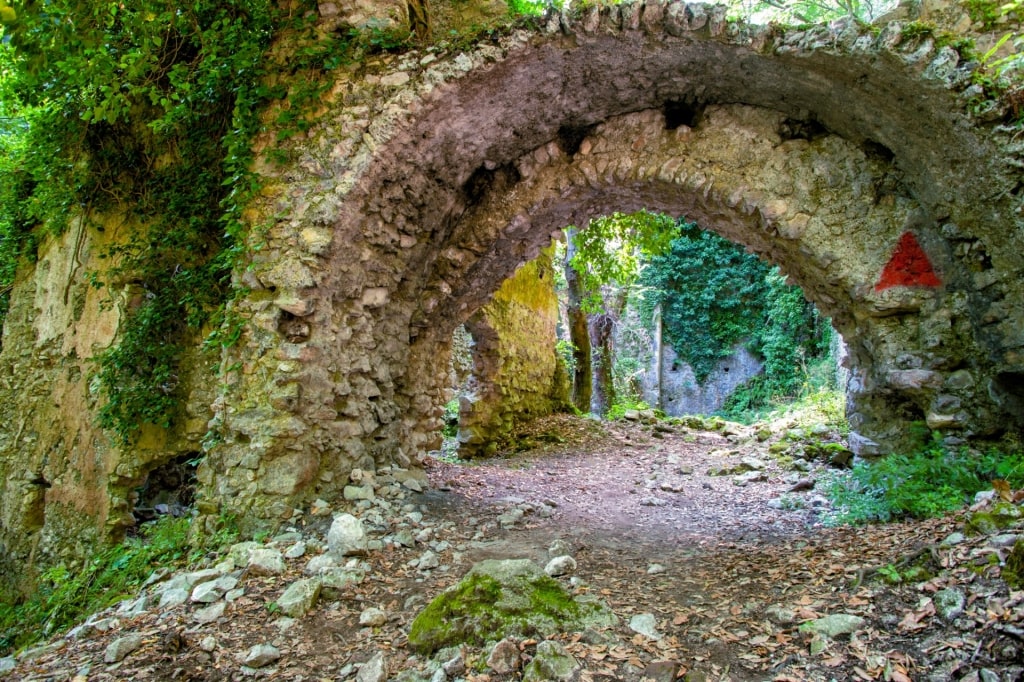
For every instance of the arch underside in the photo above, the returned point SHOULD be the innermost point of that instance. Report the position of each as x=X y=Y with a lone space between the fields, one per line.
x=818 y=151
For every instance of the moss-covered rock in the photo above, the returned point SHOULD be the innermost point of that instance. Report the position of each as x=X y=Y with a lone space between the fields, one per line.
x=1013 y=570
x=499 y=599
x=1000 y=516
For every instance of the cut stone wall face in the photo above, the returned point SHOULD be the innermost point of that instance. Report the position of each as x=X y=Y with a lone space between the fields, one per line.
x=847 y=155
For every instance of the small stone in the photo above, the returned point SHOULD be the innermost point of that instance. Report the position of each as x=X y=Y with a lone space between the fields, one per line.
x=319 y=564
x=299 y=597
x=953 y=539
x=374 y=670
x=645 y=624
x=560 y=565
x=504 y=657
x=266 y=561
x=7 y=665
x=654 y=569
x=296 y=551
x=346 y=536
x=373 y=617
x=780 y=615
x=834 y=625
x=559 y=548
x=661 y=671
x=427 y=561
x=171 y=598
x=551 y=662
x=208 y=644
x=413 y=485
x=949 y=604
x=261 y=656
x=210 y=613
x=118 y=649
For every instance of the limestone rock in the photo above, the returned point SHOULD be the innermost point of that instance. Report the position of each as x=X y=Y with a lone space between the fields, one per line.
x=7 y=665
x=266 y=561
x=209 y=614
x=504 y=657
x=373 y=617
x=374 y=670
x=559 y=548
x=346 y=536
x=551 y=662
x=834 y=625
x=261 y=655
x=949 y=603
x=499 y=599
x=560 y=565
x=299 y=597
x=645 y=624
x=117 y=650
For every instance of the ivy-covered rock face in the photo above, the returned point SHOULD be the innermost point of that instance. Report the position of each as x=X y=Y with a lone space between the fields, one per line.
x=846 y=154
x=499 y=599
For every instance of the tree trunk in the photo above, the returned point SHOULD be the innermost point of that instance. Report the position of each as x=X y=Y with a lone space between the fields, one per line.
x=601 y=330
x=659 y=355
x=579 y=334
x=419 y=19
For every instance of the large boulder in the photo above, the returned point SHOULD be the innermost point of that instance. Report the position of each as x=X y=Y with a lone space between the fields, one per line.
x=499 y=599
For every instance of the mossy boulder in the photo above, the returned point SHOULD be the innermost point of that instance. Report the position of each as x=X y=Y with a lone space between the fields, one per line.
x=1000 y=516
x=498 y=599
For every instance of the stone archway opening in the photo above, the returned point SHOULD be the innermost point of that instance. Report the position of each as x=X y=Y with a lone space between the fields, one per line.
x=816 y=150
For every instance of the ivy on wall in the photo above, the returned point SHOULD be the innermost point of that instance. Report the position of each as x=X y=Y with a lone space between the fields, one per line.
x=714 y=295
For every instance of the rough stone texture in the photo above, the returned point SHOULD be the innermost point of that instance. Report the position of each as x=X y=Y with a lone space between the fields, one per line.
x=516 y=372
x=430 y=178
x=346 y=536
x=681 y=394
x=122 y=646
x=551 y=662
x=299 y=597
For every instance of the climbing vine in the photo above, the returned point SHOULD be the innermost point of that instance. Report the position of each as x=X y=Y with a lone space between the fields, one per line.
x=713 y=296
x=145 y=112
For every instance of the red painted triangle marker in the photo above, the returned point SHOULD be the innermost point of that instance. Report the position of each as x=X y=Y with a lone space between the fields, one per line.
x=908 y=267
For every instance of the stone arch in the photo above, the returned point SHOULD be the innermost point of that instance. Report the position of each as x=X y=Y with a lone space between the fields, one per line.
x=397 y=221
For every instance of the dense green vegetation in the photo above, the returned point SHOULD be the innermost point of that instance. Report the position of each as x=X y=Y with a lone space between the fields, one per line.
x=930 y=482
x=64 y=597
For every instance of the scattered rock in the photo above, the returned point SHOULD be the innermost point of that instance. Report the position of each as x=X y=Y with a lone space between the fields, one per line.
x=504 y=657
x=949 y=603
x=346 y=536
x=645 y=624
x=499 y=599
x=209 y=614
x=834 y=625
x=374 y=670
x=427 y=561
x=551 y=662
x=780 y=615
x=7 y=665
x=296 y=551
x=655 y=569
x=208 y=644
x=560 y=565
x=261 y=656
x=373 y=617
x=266 y=561
x=117 y=650
x=559 y=548
x=171 y=598
x=299 y=597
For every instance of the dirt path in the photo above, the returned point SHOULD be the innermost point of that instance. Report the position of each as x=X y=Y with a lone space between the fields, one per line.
x=727 y=578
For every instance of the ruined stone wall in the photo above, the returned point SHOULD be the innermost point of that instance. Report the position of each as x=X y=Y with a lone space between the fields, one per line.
x=64 y=483
x=433 y=175
x=681 y=394
x=517 y=375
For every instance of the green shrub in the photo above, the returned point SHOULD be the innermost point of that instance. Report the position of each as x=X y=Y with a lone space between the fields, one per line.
x=623 y=405
x=63 y=597
x=929 y=483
